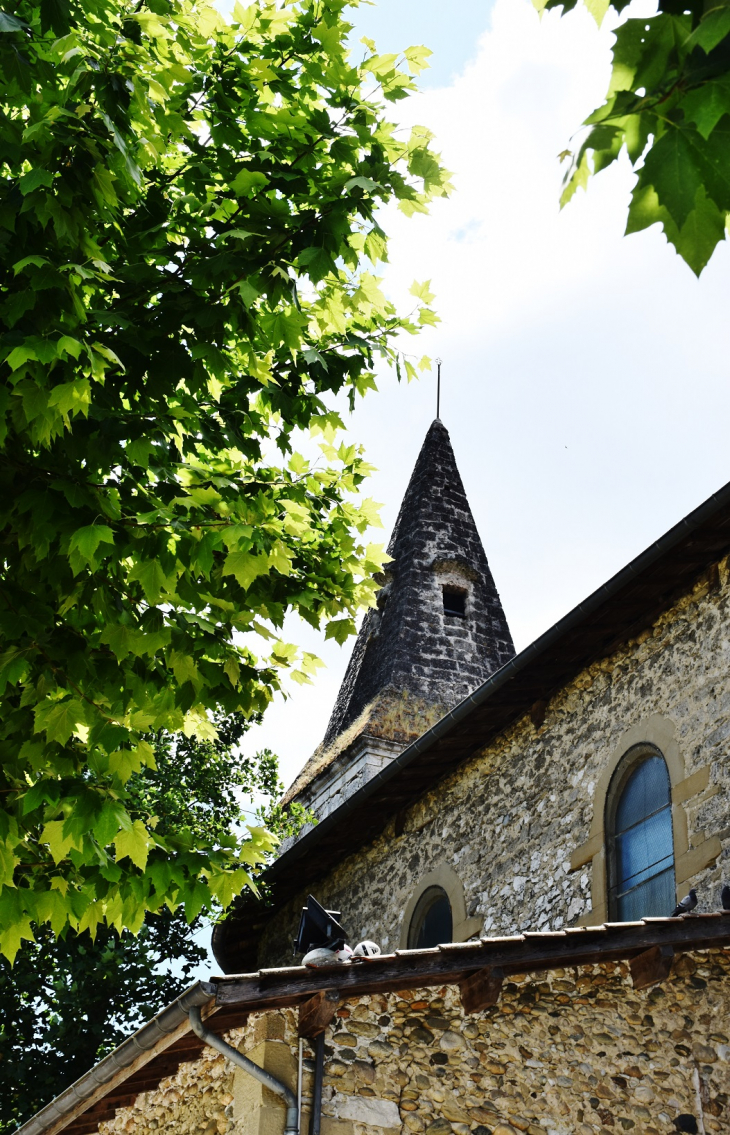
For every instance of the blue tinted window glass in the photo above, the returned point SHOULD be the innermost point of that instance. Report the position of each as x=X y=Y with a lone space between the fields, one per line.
x=647 y=789
x=436 y=927
x=645 y=849
x=432 y=922
x=653 y=899
x=644 y=845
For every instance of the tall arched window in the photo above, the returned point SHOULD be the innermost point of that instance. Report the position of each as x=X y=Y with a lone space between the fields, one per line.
x=641 y=842
x=432 y=922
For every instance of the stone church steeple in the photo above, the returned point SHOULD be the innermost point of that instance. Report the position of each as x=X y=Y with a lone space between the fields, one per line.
x=438 y=632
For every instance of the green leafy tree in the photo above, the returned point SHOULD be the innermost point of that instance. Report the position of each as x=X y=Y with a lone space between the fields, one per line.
x=68 y=1000
x=188 y=237
x=668 y=106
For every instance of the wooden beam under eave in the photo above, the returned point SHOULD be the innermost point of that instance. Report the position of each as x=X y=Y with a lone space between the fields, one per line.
x=317 y=1012
x=652 y=966
x=481 y=989
x=87 y=1128
x=515 y=955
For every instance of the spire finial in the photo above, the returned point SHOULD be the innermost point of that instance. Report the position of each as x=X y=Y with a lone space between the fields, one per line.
x=438 y=390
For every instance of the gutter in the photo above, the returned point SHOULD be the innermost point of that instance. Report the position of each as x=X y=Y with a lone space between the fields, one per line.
x=141 y=1042
x=500 y=678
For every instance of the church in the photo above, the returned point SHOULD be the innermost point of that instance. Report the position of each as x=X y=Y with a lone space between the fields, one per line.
x=516 y=832
x=463 y=791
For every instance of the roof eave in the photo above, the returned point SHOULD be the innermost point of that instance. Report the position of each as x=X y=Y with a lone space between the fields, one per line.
x=145 y=1042
x=238 y=995
x=539 y=648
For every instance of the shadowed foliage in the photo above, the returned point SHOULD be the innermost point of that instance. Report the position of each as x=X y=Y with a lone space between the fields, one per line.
x=69 y=1000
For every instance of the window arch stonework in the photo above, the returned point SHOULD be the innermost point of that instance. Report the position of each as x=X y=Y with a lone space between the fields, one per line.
x=639 y=837
x=445 y=878
x=432 y=921
x=656 y=732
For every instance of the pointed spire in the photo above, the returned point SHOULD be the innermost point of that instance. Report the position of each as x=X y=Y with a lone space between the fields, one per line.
x=411 y=644
x=439 y=629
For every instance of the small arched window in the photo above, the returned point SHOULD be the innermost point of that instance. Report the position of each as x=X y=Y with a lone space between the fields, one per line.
x=641 y=842
x=432 y=921
x=454 y=602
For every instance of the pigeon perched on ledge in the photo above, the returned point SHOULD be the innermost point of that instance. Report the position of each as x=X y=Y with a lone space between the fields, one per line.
x=725 y=897
x=688 y=903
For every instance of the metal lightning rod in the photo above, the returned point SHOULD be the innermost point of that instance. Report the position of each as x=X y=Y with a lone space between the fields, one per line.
x=438 y=389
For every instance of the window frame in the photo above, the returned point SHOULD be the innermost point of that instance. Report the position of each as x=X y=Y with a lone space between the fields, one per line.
x=695 y=786
x=626 y=767
x=435 y=893
x=442 y=875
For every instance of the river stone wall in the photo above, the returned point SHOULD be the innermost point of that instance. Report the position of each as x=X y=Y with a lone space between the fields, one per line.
x=509 y=820
x=569 y=1052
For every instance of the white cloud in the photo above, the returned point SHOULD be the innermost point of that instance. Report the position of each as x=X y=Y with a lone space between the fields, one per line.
x=500 y=250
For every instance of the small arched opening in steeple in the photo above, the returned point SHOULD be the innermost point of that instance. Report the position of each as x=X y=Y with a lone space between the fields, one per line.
x=455 y=582
x=454 y=601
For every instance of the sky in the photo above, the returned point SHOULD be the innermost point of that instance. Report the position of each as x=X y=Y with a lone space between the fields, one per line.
x=585 y=374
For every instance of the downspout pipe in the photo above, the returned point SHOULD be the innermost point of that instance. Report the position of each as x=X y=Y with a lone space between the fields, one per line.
x=318 y=1082
x=291 y=1127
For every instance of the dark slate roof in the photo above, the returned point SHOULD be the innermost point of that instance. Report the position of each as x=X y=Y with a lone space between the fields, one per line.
x=619 y=610
x=408 y=643
x=159 y=1047
x=412 y=662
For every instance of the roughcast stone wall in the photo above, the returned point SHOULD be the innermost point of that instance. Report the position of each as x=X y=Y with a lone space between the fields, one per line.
x=509 y=820
x=570 y=1052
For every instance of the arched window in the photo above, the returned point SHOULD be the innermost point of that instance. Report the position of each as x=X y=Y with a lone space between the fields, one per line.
x=432 y=921
x=641 y=843
x=454 y=601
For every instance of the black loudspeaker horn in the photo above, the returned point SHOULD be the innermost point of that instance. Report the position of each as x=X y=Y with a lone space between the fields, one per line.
x=318 y=928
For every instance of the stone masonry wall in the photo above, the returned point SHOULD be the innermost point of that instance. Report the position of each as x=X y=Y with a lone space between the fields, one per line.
x=569 y=1052
x=509 y=820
